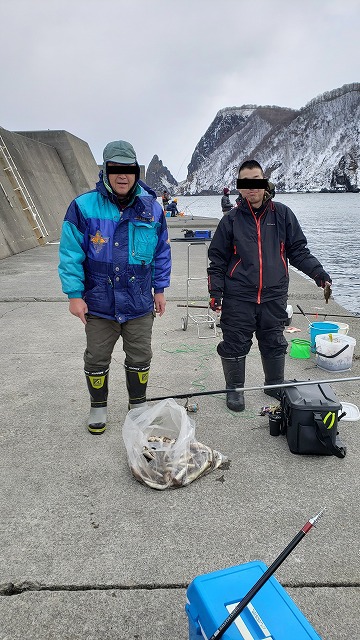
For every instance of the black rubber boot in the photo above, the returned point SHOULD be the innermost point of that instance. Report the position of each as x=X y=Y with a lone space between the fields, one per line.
x=136 y=382
x=97 y=382
x=234 y=372
x=274 y=374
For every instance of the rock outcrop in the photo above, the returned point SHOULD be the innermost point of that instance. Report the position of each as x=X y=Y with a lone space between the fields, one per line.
x=158 y=177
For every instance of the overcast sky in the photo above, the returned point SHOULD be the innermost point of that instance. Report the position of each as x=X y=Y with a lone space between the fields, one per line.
x=156 y=72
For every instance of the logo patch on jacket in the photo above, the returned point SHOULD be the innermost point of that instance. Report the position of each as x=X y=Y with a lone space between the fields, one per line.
x=98 y=241
x=145 y=217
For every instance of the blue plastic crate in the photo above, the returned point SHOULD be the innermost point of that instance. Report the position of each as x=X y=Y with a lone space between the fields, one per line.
x=271 y=614
x=202 y=233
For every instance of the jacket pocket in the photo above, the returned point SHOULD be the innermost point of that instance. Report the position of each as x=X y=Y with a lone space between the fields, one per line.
x=234 y=267
x=139 y=290
x=99 y=296
x=143 y=239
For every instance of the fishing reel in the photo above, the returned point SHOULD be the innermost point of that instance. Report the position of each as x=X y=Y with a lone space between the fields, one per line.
x=191 y=407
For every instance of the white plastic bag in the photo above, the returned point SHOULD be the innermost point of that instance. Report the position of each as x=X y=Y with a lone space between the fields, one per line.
x=161 y=446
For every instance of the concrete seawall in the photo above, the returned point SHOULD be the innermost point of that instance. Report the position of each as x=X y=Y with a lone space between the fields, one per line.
x=40 y=173
x=89 y=553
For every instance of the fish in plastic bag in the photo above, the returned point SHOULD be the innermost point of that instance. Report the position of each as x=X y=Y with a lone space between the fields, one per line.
x=162 y=449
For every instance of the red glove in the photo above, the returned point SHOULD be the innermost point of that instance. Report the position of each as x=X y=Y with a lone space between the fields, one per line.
x=215 y=304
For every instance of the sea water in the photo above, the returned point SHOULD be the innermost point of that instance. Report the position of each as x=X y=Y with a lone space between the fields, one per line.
x=331 y=223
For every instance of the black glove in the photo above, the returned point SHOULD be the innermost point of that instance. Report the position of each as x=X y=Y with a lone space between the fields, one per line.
x=215 y=304
x=321 y=278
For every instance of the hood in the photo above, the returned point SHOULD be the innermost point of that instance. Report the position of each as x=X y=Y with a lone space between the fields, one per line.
x=142 y=190
x=270 y=192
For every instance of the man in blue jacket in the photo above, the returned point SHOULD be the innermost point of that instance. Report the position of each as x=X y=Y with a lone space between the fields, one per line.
x=248 y=279
x=172 y=207
x=115 y=263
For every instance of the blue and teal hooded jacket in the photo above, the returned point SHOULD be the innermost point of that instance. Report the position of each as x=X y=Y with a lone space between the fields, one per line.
x=112 y=258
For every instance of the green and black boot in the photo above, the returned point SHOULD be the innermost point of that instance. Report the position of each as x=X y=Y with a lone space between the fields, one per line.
x=97 y=382
x=137 y=377
x=274 y=374
x=234 y=372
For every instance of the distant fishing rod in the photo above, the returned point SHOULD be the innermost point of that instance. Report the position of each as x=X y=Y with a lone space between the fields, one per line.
x=308 y=313
x=325 y=314
x=284 y=385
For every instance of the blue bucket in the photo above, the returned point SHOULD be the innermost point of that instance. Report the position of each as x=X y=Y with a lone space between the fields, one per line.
x=317 y=328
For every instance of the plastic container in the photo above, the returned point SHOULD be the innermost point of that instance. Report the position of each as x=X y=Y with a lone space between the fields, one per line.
x=300 y=349
x=318 y=328
x=289 y=311
x=351 y=410
x=202 y=233
x=334 y=352
x=270 y=614
x=343 y=328
x=275 y=421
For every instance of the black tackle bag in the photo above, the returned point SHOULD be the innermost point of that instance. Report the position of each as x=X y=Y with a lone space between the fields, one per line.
x=310 y=420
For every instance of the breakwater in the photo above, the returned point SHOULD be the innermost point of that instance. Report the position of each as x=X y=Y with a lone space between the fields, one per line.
x=40 y=173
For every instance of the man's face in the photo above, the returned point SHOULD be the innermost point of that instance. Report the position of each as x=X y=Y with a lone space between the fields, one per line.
x=255 y=196
x=121 y=182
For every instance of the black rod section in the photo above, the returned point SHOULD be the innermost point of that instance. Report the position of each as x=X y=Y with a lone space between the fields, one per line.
x=284 y=385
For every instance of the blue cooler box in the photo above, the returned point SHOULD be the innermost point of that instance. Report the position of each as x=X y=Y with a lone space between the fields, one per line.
x=271 y=614
x=202 y=233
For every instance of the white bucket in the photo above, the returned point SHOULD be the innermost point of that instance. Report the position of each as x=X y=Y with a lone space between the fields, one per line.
x=343 y=328
x=289 y=311
x=331 y=354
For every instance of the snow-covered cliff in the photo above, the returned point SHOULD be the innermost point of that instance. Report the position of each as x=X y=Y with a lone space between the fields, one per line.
x=313 y=149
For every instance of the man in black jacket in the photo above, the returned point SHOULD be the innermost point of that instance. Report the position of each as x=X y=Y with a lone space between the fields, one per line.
x=248 y=279
x=225 y=201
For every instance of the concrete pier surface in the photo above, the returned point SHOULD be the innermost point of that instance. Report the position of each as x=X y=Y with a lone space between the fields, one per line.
x=89 y=553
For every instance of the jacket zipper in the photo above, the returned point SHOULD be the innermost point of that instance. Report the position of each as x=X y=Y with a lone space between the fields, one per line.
x=282 y=247
x=258 y=231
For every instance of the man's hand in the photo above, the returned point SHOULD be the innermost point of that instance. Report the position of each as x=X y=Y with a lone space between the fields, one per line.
x=78 y=307
x=215 y=304
x=322 y=278
x=160 y=303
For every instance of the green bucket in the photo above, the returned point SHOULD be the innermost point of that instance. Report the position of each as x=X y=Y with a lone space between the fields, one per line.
x=300 y=349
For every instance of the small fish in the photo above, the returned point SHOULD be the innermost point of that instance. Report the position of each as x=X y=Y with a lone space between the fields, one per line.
x=327 y=292
x=162 y=467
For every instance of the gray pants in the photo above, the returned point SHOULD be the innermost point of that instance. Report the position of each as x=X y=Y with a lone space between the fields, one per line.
x=102 y=335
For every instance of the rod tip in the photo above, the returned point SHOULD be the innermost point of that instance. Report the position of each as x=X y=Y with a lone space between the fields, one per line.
x=316 y=518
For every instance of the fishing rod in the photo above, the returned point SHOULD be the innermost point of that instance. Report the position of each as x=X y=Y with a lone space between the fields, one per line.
x=257 y=586
x=194 y=306
x=325 y=314
x=309 y=313
x=283 y=385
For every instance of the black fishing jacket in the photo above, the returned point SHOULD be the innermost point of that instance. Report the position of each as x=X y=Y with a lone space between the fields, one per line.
x=226 y=204
x=250 y=252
